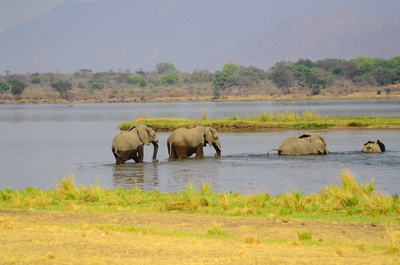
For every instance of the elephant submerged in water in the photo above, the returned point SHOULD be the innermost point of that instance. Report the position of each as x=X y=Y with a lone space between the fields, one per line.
x=129 y=144
x=373 y=147
x=305 y=144
x=184 y=142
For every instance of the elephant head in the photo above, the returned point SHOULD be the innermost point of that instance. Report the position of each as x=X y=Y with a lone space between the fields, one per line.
x=147 y=136
x=373 y=147
x=317 y=140
x=211 y=137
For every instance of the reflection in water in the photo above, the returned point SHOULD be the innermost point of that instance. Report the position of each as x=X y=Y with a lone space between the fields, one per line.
x=135 y=175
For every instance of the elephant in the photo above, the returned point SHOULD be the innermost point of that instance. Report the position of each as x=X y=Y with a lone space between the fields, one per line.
x=305 y=144
x=129 y=144
x=372 y=147
x=184 y=142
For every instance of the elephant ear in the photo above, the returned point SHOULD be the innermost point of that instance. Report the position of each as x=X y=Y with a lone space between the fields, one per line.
x=369 y=142
x=208 y=135
x=144 y=134
x=319 y=142
x=381 y=145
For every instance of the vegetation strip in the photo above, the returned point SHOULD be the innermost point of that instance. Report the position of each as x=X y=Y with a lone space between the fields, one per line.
x=308 y=120
x=350 y=202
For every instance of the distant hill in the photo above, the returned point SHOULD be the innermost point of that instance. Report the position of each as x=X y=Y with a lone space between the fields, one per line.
x=333 y=34
x=132 y=34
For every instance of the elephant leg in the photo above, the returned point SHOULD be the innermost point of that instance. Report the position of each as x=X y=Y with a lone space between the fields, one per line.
x=139 y=158
x=199 y=152
x=118 y=159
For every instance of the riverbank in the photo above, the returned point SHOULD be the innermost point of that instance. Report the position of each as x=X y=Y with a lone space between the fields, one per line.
x=308 y=120
x=300 y=95
x=351 y=223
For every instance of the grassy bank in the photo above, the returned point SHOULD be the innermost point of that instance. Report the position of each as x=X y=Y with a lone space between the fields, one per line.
x=309 y=120
x=351 y=201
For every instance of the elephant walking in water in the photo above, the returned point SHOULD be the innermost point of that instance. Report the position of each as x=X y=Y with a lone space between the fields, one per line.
x=129 y=144
x=183 y=142
x=305 y=144
x=372 y=147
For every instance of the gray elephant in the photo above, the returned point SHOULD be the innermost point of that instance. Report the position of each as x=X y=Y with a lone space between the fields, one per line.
x=372 y=147
x=305 y=144
x=184 y=142
x=129 y=144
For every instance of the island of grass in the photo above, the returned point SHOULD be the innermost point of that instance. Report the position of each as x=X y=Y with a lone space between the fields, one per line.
x=308 y=120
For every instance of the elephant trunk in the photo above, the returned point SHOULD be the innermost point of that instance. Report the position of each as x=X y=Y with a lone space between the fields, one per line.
x=155 y=144
x=218 y=149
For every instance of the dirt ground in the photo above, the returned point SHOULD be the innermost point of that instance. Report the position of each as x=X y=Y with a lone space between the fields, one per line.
x=42 y=237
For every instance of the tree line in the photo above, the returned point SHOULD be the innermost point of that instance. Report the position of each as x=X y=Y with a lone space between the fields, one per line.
x=304 y=74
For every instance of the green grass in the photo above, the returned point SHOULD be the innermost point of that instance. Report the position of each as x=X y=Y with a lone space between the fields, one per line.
x=308 y=120
x=305 y=235
x=349 y=202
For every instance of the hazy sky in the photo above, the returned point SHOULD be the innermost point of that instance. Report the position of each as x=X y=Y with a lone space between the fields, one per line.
x=15 y=12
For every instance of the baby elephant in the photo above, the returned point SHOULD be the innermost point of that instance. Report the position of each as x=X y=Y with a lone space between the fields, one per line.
x=305 y=144
x=372 y=147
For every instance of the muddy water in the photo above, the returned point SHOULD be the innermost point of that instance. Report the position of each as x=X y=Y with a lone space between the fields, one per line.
x=42 y=143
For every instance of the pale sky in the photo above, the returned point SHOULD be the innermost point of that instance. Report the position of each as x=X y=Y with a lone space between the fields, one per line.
x=15 y=12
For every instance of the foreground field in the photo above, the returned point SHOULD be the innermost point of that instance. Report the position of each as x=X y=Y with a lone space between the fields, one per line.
x=41 y=237
x=352 y=223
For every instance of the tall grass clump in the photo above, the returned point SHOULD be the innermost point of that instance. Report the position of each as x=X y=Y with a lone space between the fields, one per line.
x=216 y=230
x=204 y=115
x=351 y=195
x=305 y=235
x=66 y=188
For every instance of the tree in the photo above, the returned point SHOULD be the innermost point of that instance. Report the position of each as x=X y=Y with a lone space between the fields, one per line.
x=165 y=68
x=3 y=87
x=365 y=65
x=383 y=76
x=222 y=80
x=137 y=80
x=232 y=69
x=62 y=87
x=17 y=86
x=36 y=80
x=252 y=74
x=171 y=78
x=283 y=78
x=305 y=62
x=201 y=76
x=338 y=70
x=156 y=80
x=302 y=73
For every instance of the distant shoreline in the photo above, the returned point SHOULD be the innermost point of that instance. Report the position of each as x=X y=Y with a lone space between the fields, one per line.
x=289 y=97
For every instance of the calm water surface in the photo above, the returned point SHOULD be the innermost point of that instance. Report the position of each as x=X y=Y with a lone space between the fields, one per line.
x=47 y=142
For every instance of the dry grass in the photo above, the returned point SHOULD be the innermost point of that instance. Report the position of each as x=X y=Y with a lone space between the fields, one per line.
x=34 y=237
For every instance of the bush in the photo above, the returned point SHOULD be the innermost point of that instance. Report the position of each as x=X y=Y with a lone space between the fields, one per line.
x=171 y=79
x=137 y=80
x=17 y=86
x=3 y=87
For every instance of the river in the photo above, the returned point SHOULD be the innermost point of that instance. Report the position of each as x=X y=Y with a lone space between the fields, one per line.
x=43 y=143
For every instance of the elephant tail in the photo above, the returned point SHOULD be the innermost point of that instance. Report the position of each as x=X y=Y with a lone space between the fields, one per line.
x=273 y=150
x=115 y=151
